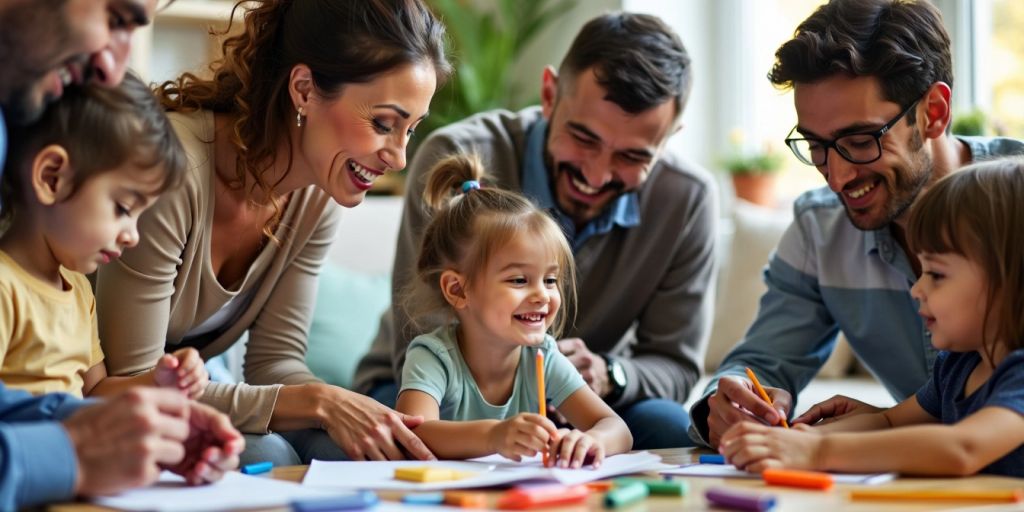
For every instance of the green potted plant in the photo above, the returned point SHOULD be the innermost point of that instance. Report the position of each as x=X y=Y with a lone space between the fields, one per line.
x=753 y=171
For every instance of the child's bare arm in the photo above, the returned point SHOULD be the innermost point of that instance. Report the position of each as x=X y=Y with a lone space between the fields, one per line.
x=96 y=382
x=182 y=370
x=522 y=435
x=922 y=449
x=953 y=450
x=907 y=412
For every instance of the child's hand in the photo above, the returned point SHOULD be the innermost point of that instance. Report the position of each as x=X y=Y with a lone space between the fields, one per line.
x=183 y=370
x=574 y=448
x=755 y=447
x=523 y=435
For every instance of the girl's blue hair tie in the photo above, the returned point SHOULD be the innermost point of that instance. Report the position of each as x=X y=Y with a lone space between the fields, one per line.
x=470 y=185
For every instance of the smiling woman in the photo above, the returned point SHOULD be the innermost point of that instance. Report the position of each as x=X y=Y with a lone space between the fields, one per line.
x=313 y=102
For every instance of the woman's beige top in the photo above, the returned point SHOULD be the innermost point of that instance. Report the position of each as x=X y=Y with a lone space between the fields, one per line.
x=157 y=292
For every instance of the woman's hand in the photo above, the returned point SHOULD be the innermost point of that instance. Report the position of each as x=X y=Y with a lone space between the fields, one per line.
x=574 y=448
x=522 y=435
x=183 y=370
x=365 y=429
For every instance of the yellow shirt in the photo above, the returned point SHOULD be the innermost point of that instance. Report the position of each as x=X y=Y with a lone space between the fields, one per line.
x=48 y=337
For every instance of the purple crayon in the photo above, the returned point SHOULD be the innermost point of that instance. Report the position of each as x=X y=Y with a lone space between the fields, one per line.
x=740 y=501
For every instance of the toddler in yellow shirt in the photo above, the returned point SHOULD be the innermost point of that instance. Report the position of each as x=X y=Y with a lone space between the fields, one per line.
x=72 y=191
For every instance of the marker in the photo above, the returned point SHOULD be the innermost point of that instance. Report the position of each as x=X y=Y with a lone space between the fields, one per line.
x=764 y=394
x=257 y=468
x=600 y=485
x=522 y=498
x=656 y=487
x=996 y=496
x=423 y=498
x=711 y=459
x=542 y=405
x=794 y=478
x=357 y=500
x=740 y=501
x=622 y=496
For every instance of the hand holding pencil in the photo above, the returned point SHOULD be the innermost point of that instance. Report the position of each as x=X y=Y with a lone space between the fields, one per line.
x=764 y=394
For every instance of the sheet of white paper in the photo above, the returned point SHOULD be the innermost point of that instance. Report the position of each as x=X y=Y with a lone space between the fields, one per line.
x=235 y=491
x=730 y=471
x=489 y=472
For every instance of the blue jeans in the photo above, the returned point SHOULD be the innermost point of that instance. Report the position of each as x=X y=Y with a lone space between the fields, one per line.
x=654 y=422
x=290 y=448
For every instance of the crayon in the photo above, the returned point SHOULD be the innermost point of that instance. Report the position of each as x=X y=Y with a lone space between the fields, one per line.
x=465 y=499
x=600 y=485
x=988 y=495
x=357 y=500
x=257 y=468
x=711 y=459
x=794 y=478
x=427 y=474
x=725 y=498
x=423 y=498
x=622 y=496
x=657 y=487
x=522 y=498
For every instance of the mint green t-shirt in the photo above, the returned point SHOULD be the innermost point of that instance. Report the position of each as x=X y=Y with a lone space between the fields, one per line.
x=434 y=365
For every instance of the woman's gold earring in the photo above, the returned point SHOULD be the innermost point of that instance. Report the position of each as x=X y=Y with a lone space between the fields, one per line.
x=300 y=118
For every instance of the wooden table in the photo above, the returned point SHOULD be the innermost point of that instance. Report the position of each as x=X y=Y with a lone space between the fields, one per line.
x=788 y=499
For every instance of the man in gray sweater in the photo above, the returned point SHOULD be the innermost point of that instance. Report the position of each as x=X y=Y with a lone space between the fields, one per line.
x=641 y=221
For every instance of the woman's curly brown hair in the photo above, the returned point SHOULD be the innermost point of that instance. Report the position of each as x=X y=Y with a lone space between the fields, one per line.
x=341 y=41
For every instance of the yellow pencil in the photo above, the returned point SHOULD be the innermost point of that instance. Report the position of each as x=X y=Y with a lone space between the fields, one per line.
x=763 y=393
x=999 y=496
x=540 y=393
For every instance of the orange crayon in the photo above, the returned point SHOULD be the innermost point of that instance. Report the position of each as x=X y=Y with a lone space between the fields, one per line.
x=795 y=478
x=763 y=393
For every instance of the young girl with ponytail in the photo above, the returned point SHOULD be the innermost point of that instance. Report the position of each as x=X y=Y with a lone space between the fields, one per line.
x=500 y=268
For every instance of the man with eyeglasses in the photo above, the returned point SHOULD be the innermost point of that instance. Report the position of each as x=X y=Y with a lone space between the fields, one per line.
x=872 y=83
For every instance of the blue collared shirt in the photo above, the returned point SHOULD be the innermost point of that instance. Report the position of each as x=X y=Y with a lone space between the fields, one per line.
x=828 y=276
x=623 y=211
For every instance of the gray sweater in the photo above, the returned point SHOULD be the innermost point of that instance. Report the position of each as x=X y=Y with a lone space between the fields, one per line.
x=645 y=294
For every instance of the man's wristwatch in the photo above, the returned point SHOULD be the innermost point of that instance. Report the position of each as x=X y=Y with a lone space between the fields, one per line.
x=616 y=378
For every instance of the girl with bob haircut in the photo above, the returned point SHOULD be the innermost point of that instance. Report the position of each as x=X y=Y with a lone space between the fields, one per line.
x=308 y=106
x=500 y=268
x=969 y=417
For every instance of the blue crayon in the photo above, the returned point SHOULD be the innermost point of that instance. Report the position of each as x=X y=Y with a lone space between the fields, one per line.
x=423 y=498
x=712 y=459
x=354 y=501
x=257 y=468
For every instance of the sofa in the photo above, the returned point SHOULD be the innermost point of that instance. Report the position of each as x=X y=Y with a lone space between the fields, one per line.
x=355 y=288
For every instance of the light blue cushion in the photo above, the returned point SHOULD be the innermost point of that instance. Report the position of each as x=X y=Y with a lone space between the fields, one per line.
x=346 y=319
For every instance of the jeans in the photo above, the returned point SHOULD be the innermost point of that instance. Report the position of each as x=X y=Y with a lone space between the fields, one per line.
x=290 y=448
x=654 y=422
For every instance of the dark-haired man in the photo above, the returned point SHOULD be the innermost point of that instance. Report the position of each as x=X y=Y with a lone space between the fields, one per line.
x=872 y=83
x=640 y=220
x=54 y=447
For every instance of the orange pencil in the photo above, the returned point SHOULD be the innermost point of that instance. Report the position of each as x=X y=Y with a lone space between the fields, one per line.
x=763 y=393
x=540 y=393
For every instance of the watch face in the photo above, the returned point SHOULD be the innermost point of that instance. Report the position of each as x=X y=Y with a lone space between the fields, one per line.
x=618 y=374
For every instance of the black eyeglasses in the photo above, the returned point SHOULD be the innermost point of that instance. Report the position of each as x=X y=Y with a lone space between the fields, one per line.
x=856 y=148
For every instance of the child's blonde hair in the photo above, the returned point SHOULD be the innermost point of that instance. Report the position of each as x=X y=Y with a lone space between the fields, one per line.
x=978 y=213
x=101 y=128
x=467 y=228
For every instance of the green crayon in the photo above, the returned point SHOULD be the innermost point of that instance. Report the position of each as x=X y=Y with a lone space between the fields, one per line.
x=622 y=496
